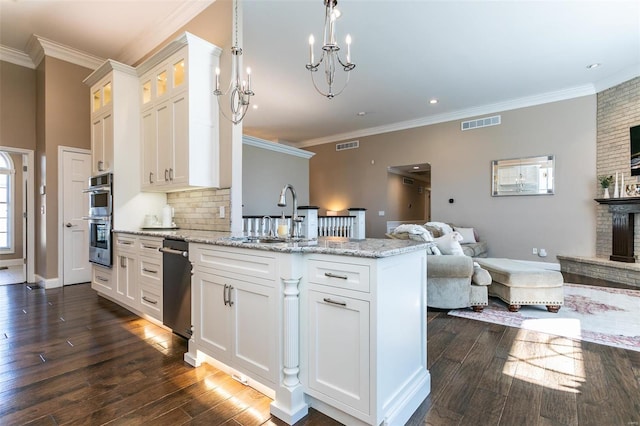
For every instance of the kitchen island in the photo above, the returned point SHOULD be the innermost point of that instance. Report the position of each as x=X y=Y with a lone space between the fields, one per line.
x=332 y=324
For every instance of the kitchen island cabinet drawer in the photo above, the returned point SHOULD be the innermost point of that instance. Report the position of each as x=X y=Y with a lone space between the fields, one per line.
x=102 y=279
x=227 y=260
x=125 y=242
x=151 y=301
x=348 y=276
x=151 y=271
x=150 y=247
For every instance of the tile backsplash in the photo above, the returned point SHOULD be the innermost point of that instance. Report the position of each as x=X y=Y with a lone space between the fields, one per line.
x=200 y=209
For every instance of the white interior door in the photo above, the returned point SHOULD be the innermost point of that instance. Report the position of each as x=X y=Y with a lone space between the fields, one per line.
x=75 y=204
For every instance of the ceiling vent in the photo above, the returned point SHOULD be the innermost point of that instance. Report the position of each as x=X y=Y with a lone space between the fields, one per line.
x=480 y=122
x=407 y=181
x=347 y=145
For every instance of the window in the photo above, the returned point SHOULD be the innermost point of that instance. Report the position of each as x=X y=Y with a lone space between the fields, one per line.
x=7 y=173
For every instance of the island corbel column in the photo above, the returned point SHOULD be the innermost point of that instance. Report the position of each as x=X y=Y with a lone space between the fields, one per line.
x=289 y=404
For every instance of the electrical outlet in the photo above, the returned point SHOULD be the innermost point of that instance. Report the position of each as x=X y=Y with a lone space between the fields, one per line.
x=542 y=253
x=534 y=251
x=381 y=213
x=222 y=212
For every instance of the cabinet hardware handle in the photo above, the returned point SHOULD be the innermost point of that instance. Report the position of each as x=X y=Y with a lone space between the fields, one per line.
x=150 y=177
x=171 y=174
x=166 y=172
x=127 y=243
x=330 y=275
x=334 y=302
x=224 y=295
x=230 y=301
x=149 y=247
x=146 y=299
x=174 y=251
x=123 y=262
x=68 y=224
x=104 y=280
x=151 y=271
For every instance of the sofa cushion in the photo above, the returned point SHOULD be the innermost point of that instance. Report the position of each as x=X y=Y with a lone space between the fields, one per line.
x=468 y=235
x=478 y=249
x=450 y=244
x=516 y=274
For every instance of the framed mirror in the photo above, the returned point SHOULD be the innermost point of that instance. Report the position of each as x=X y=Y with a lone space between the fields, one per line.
x=523 y=176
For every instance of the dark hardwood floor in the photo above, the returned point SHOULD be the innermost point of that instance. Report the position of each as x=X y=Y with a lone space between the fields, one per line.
x=68 y=356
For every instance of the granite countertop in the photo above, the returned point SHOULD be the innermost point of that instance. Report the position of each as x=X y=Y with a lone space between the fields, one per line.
x=369 y=247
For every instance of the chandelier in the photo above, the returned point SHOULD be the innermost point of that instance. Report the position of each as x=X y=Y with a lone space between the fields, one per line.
x=239 y=89
x=330 y=56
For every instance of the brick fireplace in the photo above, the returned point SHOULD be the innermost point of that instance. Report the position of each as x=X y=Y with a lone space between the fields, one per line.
x=618 y=110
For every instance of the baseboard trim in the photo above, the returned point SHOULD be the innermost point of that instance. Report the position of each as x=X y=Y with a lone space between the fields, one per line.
x=48 y=283
x=12 y=262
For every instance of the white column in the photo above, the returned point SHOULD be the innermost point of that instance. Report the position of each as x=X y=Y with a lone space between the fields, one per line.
x=359 y=225
x=289 y=404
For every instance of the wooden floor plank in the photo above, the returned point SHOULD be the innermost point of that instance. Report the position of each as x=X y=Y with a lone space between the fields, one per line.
x=123 y=370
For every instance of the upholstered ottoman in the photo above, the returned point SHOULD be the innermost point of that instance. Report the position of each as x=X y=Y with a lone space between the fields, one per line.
x=518 y=283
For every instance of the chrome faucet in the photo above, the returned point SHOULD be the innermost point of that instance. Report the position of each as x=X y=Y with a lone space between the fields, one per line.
x=295 y=219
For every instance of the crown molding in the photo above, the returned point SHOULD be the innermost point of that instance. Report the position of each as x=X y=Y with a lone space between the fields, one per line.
x=152 y=37
x=38 y=47
x=543 y=98
x=276 y=147
x=16 y=57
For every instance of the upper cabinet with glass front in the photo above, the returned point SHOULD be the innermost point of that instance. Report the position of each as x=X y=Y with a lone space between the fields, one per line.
x=163 y=81
x=179 y=116
x=112 y=94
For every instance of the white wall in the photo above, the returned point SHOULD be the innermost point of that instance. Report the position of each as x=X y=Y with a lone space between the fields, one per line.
x=266 y=171
x=563 y=223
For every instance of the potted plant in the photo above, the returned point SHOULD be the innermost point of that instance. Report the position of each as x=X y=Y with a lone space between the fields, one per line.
x=605 y=183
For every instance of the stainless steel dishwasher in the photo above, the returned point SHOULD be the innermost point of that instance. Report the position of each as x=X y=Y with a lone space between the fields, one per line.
x=176 y=286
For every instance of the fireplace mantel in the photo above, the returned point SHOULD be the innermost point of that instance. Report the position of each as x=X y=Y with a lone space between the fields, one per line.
x=622 y=222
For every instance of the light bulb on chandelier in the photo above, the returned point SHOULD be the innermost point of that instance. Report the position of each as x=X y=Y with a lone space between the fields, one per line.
x=239 y=89
x=330 y=55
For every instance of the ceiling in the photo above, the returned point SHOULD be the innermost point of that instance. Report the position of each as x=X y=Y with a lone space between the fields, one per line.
x=475 y=57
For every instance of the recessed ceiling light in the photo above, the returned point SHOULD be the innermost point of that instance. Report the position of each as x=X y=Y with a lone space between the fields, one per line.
x=362 y=114
x=433 y=101
x=416 y=168
x=594 y=65
x=255 y=106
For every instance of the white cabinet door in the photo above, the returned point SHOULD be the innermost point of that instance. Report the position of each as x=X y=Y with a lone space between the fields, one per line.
x=211 y=314
x=102 y=142
x=164 y=140
x=179 y=150
x=127 y=280
x=338 y=333
x=254 y=326
x=150 y=174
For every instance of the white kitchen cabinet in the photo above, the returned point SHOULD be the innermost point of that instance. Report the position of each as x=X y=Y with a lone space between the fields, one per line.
x=102 y=280
x=125 y=265
x=135 y=279
x=338 y=332
x=179 y=116
x=150 y=276
x=112 y=98
x=234 y=303
x=363 y=339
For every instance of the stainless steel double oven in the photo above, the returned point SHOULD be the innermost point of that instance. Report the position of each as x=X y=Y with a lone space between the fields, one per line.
x=100 y=218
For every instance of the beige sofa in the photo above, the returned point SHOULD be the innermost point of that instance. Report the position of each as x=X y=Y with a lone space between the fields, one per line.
x=453 y=283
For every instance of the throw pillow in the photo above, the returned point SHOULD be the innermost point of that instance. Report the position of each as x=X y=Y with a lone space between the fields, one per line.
x=480 y=276
x=434 y=230
x=444 y=227
x=450 y=244
x=468 y=235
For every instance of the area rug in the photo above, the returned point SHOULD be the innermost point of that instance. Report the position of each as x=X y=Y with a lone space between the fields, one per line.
x=608 y=316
